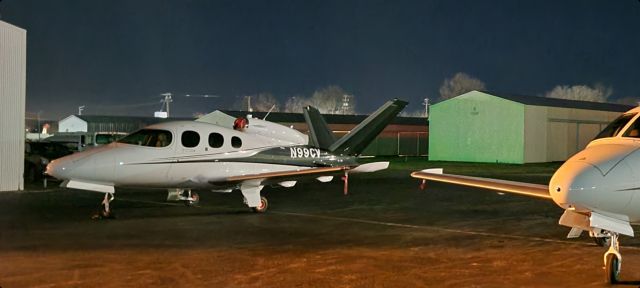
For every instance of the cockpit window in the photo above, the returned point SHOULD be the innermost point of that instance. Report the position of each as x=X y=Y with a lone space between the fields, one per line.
x=614 y=128
x=633 y=131
x=149 y=138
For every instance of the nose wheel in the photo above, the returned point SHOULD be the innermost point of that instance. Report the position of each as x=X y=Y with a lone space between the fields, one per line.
x=613 y=260
x=105 y=212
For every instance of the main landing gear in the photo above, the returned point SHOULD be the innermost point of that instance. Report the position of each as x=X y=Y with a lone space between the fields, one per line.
x=105 y=212
x=190 y=198
x=262 y=207
x=613 y=260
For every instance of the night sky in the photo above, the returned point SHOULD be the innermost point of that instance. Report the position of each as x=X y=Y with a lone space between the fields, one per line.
x=104 y=54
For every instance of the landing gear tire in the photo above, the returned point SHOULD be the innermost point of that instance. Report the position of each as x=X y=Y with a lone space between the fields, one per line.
x=264 y=204
x=602 y=241
x=192 y=198
x=612 y=268
x=105 y=212
x=102 y=213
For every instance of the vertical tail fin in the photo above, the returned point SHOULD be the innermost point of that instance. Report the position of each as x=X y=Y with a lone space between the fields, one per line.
x=319 y=133
x=359 y=138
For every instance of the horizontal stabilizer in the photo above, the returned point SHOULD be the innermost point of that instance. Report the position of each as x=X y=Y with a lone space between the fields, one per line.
x=361 y=136
x=527 y=189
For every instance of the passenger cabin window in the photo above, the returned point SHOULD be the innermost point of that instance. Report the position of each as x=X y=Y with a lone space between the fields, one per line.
x=190 y=139
x=614 y=127
x=216 y=140
x=148 y=138
x=236 y=142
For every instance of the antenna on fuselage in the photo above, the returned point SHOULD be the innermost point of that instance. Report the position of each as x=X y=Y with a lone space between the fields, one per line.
x=272 y=107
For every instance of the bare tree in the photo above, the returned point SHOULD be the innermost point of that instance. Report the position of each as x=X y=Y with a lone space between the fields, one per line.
x=295 y=104
x=599 y=93
x=459 y=84
x=264 y=102
x=329 y=100
x=416 y=113
x=261 y=102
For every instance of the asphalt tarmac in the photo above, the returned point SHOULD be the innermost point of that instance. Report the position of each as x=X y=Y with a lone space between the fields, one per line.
x=385 y=233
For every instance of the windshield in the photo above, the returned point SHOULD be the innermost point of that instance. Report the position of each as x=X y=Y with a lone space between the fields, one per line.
x=149 y=138
x=614 y=127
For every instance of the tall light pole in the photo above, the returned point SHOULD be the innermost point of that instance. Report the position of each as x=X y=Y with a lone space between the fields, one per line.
x=345 y=103
x=426 y=107
x=39 y=130
x=80 y=109
x=167 y=99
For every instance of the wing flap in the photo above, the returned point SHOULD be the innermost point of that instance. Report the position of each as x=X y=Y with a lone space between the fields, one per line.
x=521 y=188
x=284 y=174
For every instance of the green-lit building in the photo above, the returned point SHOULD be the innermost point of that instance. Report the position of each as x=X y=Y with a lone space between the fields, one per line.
x=484 y=127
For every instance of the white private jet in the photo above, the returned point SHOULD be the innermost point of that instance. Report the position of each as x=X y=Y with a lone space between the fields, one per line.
x=208 y=154
x=598 y=188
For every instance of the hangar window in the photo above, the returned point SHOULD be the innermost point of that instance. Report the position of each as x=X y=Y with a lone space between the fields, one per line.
x=236 y=142
x=216 y=140
x=190 y=139
x=614 y=128
x=149 y=138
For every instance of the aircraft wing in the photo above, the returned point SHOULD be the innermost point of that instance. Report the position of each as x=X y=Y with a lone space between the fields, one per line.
x=521 y=188
x=291 y=177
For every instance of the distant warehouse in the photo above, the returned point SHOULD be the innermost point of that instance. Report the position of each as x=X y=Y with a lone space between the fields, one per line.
x=483 y=127
x=404 y=136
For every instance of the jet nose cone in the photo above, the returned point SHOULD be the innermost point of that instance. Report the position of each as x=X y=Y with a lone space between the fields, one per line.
x=56 y=169
x=574 y=184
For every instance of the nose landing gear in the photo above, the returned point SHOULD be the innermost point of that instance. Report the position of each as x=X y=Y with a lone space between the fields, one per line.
x=104 y=212
x=613 y=260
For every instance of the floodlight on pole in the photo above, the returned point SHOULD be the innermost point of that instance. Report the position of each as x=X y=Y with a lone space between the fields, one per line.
x=345 y=103
x=80 y=109
x=167 y=99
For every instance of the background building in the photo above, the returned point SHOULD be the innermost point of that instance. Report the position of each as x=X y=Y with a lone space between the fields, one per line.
x=483 y=127
x=13 y=73
x=404 y=136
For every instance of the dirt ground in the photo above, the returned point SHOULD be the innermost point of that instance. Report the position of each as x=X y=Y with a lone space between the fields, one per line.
x=385 y=233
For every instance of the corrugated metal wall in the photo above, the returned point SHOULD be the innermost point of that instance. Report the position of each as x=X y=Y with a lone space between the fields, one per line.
x=13 y=57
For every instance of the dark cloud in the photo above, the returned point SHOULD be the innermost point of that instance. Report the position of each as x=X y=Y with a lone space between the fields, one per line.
x=121 y=52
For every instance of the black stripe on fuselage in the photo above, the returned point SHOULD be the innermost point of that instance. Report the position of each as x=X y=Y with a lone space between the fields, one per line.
x=290 y=155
